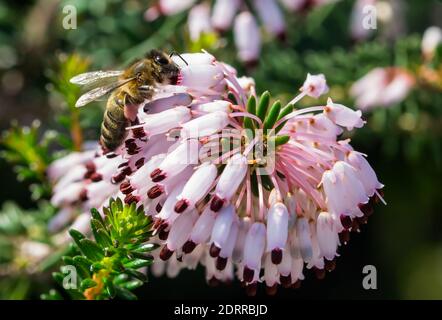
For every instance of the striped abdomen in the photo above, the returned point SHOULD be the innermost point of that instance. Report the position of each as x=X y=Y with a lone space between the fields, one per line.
x=113 y=127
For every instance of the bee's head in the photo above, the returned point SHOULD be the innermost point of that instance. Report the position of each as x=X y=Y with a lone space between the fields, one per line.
x=163 y=69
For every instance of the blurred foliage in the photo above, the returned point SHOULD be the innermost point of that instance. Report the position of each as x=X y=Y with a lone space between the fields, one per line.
x=108 y=267
x=30 y=155
x=25 y=247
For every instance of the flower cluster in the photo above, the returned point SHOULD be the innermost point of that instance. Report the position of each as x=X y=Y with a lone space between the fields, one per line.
x=387 y=86
x=232 y=181
x=219 y=17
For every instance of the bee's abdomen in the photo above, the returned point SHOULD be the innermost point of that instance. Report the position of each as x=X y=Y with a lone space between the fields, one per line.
x=113 y=127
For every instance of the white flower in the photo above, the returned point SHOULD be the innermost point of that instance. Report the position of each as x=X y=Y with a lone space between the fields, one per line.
x=430 y=41
x=343 y=116
x=315 y=85
x=247 y=37
x=382 y=87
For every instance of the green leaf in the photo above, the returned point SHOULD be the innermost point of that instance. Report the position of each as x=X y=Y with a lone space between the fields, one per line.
x=132 y=285
x=251 y=108
x=138 y=263
x=280 y=140
x=77 y=236
x=263 y=105
x=284 y=111
x=136 y=274
x=146 y=247
x=97 y=216
x=272 y=116
x=125 y=294
x=91 y=250
x=87 y=283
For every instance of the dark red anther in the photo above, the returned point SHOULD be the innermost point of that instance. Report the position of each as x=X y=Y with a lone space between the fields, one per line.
x=216 y=204
x=139 y=133
x=286 y=281
x=362 y=220
x=377 y=199
x=355 y=226
x=248 y=274
x=189 y=246
x=367 y=208
x=155 y=192
x=158 y=207
x=124 y=164
x=213 y=282
x=320 y=273
x=181 y=205
x=330 y=265
x=346 y=221
x=130 y=198
x=163 y=233
x=344 y=237
x=83 y=195
x=165 y=253
x=271 y=291
x=276 y=256
x=90 y=166
x=125 y=187
x=110 y=154
x=221 y=263
x=139 y=163
x=297 y=284
x=251 y=289
x=96 y=177
x=157 y=175
x=214 y=250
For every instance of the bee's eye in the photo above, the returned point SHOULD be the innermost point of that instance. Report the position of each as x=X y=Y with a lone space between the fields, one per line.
x=161 y=60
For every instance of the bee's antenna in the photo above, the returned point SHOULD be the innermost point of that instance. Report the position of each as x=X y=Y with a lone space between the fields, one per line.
x=176 y=53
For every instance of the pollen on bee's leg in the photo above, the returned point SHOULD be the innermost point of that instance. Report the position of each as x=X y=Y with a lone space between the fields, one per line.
x=157 y=175
x=155 y=192
x=181 y=205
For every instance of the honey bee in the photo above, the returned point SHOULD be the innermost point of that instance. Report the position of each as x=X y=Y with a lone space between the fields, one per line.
x=128 y=89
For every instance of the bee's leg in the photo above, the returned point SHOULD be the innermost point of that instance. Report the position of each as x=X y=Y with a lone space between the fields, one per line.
x=146 y=91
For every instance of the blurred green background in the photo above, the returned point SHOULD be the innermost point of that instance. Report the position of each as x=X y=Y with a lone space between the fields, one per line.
x=402 y=240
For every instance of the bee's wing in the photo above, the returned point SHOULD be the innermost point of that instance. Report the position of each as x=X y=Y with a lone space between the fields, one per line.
x=96 y=93
x=89 y=78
